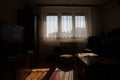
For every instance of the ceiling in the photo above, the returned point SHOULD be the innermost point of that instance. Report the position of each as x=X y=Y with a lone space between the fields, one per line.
x=69 y=2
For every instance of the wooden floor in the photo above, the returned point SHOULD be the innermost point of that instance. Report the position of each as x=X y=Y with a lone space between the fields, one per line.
x=37 y=74
x=57 y=74
x=52 y=71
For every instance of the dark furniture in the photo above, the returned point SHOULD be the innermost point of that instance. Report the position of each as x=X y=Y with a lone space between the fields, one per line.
x=64 y=48
x=17 y=67
x=27 y=19
x=106 y=44
x=17 y=47
x=107 y=65
x=99 y=68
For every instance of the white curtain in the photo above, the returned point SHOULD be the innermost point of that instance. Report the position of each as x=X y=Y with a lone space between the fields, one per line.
x=51 y=29
x=71 y=27
x=80 y=27
x=66 y=30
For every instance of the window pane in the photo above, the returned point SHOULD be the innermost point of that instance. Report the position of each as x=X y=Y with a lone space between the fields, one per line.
x=51 y=26
x=66 y=30
x=80 y=27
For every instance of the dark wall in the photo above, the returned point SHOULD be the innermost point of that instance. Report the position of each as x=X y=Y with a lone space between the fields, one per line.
x=111 y=17
x=8 y=10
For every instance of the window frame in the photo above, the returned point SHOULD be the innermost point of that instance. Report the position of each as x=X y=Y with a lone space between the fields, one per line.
x=74 y=11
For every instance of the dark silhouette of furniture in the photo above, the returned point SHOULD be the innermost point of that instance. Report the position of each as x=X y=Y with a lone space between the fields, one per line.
x=106 y=44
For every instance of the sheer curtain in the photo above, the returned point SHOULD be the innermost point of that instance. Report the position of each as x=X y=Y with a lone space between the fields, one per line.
x=51 y=29
x=80 y=27
x=65 y=27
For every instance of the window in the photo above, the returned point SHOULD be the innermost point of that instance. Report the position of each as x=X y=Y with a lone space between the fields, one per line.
x=65 y=26
x=80 y=27
x=51 y=27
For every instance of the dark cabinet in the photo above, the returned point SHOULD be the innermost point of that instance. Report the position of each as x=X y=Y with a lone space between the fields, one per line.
x=26 y=18
x=97 y=68
x=6 y=72
x=17 y=67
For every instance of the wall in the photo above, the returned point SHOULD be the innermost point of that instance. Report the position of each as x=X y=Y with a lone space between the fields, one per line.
x=8 y=10
x=111 y=17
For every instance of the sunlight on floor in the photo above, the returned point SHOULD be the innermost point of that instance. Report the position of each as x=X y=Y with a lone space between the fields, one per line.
x=86 y=54
x=37 y=74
